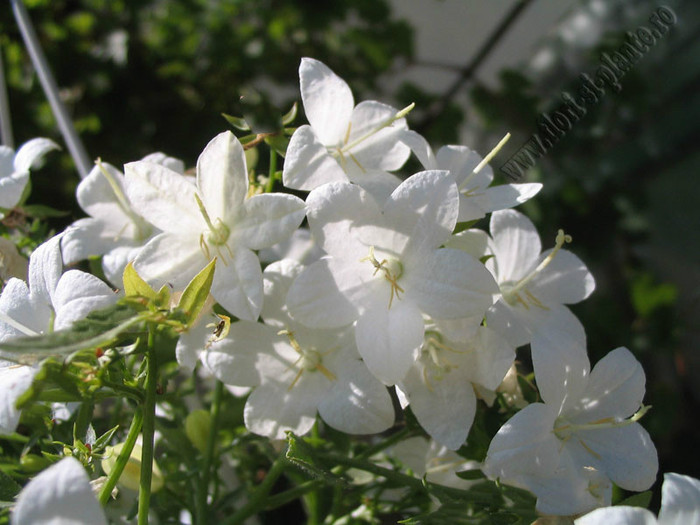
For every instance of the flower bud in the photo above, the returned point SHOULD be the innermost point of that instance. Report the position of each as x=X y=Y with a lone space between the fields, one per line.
x=197 y=428
x=131 y=475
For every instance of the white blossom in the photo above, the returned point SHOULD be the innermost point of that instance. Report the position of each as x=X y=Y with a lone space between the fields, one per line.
x=14 y=169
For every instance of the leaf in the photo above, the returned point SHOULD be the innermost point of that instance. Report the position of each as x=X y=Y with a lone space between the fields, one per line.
x=39 y=211
x=638 y=500
x=236 y=122
x=290 y=115
x=104 y=440
x=279 y=143
x=303 y=456
x=135 y=285
x=195 y=295
x=100 y=328
x=9 y=488
x=470 y=474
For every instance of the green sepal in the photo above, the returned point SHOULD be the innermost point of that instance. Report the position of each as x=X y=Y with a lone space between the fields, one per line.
x=470 y=474
x=290 y=115
x=135 y=285
x=39 y=211
x=303 y=456
x=638 y=500
x=279 y=143
x=195 y=295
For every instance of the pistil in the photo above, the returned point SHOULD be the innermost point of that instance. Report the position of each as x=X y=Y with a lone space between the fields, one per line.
x=392 y=269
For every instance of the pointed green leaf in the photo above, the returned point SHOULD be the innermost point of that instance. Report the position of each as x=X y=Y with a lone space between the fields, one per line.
x=135 y=285
x=290 y=115
x=303 y=456
x=195 y=295
x=39 y=211
x=9 y=488
x=236 y=122
x=279 y=143
x=638 y=500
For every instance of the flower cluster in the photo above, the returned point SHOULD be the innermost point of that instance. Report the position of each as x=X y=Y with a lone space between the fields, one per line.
x=391 y=301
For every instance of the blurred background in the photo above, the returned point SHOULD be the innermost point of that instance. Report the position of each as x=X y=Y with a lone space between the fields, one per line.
x=155 y=75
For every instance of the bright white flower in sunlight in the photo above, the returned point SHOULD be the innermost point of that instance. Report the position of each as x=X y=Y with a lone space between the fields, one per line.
x=113 y=229
x=343 y=142
x=534 y=286
x=386 y=269
x=680 y=505
x=213 y=218
x=584 y=434
x=439 y=385
x=49 y=301
x=14 y=169
x=59 y=495
x=476 y=198
x=297 y=371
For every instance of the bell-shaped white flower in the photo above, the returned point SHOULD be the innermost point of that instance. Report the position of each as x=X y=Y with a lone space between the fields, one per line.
x=113 y=229
x=440 y=384
x=386 y=269
x=680 y=505
x=534 y=286
x=60 y=495
x=476 y=196
x=297 y=371
x=212 y=218
x=49 y=301
x=14 y=169
x=343 y=142
x=585 y=431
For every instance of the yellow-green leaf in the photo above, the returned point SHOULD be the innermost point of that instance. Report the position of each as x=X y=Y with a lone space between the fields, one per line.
x=135 y=285
x=195 y=295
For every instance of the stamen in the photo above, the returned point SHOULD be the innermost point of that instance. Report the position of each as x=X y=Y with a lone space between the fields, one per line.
x=308 y=359
x=143 y=228
x=485 y=160
x=16 y=324
x=388 y=275
x=388 y=122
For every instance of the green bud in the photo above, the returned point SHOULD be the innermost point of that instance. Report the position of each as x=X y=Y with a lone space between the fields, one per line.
x=131 y=475
x=33 y=463
x=197 y=428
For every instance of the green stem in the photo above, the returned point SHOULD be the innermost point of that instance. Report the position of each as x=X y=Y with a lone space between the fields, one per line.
x=123 y=458
x=257 y=500
x=149 y=416
x=273 y=170
x=203 y=486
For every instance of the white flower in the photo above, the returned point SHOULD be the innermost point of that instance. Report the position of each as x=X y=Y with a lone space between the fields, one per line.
x=680 y=505
x=476 y=197
x=50 y=301
x=213 y=218
x=385 y=269
x=14 y=169
x=60 y=495
x=583 y=435
x=439 y=385
x=113 y=229
x=343 y=142
x=298 y=370
x=534 y=286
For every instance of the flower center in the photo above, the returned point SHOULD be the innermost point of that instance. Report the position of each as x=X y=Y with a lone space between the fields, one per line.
x=392 y=270
x=218 y=234
x=310 y=359
x=436 y=363
x=517 y=293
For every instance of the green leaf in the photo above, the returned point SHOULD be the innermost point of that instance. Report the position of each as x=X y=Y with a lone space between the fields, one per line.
x=279 y=143
x=470 y=474
x=104 y=440
x=290 y=115
x=195 y=295
x=99 y=329
x=9 y=488
x=236 y=122
x=638 y=500
x=303 y=456
x=135 y=285
x=39 y=211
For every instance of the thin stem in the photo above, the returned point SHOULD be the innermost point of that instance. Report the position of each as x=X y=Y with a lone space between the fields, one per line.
x=258 y=499
x=203 y=487
x=123 y=458
x=272 y=172
x=149 y=416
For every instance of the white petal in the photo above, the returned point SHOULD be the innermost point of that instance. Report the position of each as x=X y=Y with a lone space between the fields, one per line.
x=460 y=161
x=382 y=149
x=516 y=244
x=267 y=219
x=31 y=152
x=625 y=453
x=277 y=280
x=114 y=262
x=84 y=238
x=388 y=339
x=222 y=177
x=29 y=317
x=494 y=357
x=238 y=285
x=60 y=495
x=328 y=294
x=191 y=344
x=357 y=403
x=509 y=195
x=96 y=195
x=379 y=184
x=308 y=164
x=475 y=242
x=524 y=445
x=171 y=258
x=327 y=99
x=449 y=284
x=77 y=294
x=680 y=500
x=14 y=381
x=615 y=388
x=620 y=515
x=420 y=147
x=566 y=280
x=445 y=407
x=561 y=363
x=45 y=268
x=163 y=197
x=11 y=188
x=233 y=359
x=169 y=162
